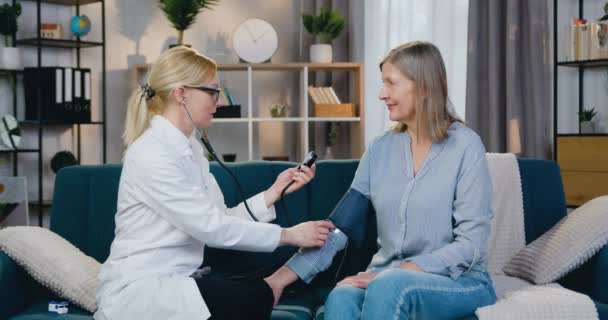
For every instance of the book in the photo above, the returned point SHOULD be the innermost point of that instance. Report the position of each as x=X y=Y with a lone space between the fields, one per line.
x=334 y=96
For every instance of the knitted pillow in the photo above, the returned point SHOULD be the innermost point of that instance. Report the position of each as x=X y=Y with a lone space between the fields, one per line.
x=566 y=246
x=54 y=262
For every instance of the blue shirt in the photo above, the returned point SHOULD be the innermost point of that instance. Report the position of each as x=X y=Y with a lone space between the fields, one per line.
x=440 y=218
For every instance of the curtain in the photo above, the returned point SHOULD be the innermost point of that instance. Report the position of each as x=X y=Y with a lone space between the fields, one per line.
x=508 y=100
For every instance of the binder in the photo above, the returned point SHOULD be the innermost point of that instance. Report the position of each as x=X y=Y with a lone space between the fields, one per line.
x=44 y=88
x=77 y=96
x=67 y=114
x=86 y=95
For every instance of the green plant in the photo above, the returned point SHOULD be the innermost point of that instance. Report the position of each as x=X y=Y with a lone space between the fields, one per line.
x=586 y=115
x=605 y=17
x=182 y=13
x=8 y=21
x=332 y=135
x=327 y=25
x=278 y=110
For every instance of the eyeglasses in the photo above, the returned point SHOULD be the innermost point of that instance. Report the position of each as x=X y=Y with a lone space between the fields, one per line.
x=215 y=92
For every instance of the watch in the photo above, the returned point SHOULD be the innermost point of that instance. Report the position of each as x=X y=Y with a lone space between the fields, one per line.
x=255 y=41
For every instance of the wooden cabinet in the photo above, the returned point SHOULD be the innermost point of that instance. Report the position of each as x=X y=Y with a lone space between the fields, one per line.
x=583 y=161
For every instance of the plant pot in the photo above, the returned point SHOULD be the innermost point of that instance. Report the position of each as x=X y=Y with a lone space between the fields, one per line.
x=321 y=53
x=10 y=58
x=587 y=127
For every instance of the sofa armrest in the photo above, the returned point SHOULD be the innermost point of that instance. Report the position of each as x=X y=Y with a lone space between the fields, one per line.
x=12 y=291
x=599 y=276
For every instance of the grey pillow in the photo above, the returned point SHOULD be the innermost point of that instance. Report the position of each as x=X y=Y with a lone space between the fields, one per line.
x=54 y=262
x=566 y=246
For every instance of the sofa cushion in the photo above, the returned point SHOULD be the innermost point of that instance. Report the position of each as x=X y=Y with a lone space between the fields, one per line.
x=54 y=262
x=84 y=206
x=543 y=193
x=566 y=246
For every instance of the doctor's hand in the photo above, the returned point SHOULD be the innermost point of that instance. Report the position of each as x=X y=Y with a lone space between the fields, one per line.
x=299 y=177
x=307 y=234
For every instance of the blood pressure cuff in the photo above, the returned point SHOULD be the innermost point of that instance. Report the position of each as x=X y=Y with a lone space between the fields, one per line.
x=350 y=216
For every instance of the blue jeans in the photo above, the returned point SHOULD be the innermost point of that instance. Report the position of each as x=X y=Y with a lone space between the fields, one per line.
x=404 y=294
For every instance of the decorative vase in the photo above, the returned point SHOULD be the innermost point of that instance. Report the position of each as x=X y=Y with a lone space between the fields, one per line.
x=587 y=127
x=321 y=53
x=10 y=58
x=328 y=153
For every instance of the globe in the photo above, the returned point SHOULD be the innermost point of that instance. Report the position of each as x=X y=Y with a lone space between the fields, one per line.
x=80 y=25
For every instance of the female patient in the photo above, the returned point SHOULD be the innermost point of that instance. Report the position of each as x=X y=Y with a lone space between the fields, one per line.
x=428 y=181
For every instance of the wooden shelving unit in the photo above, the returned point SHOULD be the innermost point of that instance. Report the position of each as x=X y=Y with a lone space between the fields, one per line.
x=305 y=117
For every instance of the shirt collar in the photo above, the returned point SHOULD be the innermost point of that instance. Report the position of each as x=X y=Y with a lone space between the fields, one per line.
x=172 y=135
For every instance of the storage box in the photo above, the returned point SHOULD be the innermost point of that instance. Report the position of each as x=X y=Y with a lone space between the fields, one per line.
x=342 y=110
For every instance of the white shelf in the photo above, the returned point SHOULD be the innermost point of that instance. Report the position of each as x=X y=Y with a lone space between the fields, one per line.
x=281 y=119
x=299 y=124
x=277 y=119
x=230 y=120
x=337 y=119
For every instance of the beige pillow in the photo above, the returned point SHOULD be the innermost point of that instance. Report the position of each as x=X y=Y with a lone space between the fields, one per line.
x=566 y=246
x=54 y=262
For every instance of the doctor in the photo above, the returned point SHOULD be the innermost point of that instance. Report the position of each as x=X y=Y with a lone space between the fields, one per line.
x=170 y=207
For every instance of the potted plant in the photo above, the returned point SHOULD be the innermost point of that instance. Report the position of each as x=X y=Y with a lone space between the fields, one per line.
x=332 y=138
x=182 y=13
x=8 y=28
x=605 y=16
x=585 y=117
x=326 y=27
x=278 y=110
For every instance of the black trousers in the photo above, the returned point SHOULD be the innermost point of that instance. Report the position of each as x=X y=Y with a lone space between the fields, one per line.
x=236 y=299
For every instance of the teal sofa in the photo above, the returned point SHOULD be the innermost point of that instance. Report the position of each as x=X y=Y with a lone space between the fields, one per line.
x=84 y=205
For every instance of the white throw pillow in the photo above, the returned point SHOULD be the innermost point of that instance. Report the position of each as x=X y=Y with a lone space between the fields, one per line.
x=54 y=262
x=566 y=246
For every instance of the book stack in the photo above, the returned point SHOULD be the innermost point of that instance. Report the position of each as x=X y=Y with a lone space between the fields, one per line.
x=327 y=104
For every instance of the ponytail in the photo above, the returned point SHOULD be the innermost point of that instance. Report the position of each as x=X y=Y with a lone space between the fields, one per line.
x=138 y=117
x=179 y=66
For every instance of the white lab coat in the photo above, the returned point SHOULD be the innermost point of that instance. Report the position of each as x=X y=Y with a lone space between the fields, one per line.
x=169 y=208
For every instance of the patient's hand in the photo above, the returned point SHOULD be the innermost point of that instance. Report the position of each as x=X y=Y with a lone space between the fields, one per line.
x=361 y=280
x=410 y=266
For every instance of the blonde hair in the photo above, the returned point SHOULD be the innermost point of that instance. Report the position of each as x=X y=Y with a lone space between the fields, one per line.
x=176 y=67
x=421 y=62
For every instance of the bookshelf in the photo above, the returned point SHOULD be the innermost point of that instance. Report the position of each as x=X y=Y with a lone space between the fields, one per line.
x=582 y=157
x=305 y=107
x=74 y=45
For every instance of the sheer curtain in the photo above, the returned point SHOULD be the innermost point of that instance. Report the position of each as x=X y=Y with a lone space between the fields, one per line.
x=388 y=23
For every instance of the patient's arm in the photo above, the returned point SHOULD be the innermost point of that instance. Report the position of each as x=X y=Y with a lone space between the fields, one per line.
x=306 y=264
x=350 y=218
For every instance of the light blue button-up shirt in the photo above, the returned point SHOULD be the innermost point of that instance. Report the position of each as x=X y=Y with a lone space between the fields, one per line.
x=439 y=218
